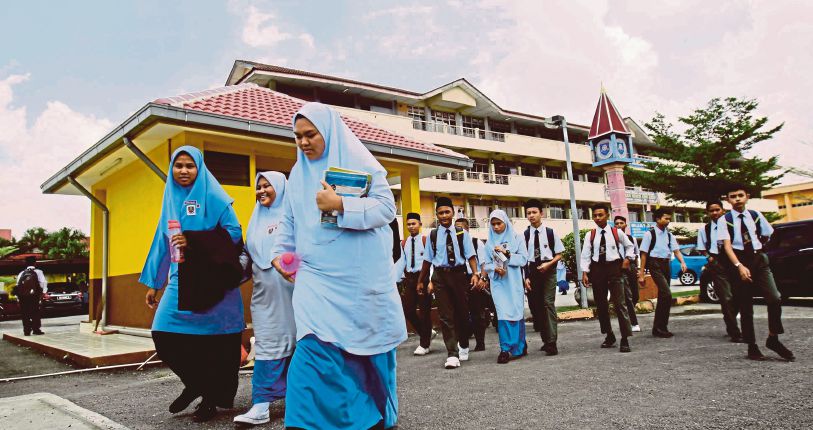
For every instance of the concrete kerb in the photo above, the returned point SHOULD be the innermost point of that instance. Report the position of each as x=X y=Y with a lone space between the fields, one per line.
x=46 y=410
x=644 y=306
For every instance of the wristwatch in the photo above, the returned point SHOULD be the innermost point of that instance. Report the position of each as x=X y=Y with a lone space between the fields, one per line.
x=738 y=264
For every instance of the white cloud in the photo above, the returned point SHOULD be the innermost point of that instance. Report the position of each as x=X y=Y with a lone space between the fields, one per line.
x=261 y=31
x=30 y=154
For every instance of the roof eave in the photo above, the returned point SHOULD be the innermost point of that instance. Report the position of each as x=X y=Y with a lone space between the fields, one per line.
x=152 y=113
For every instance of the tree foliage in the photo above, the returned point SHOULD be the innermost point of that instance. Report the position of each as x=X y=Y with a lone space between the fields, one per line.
x=569 y=254
x=700 y=163
x=63 y=243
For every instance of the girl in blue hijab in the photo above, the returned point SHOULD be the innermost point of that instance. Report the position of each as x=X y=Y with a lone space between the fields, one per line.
x=347 y=309
x=505 y=256
x=272 y=314
x=202 y=348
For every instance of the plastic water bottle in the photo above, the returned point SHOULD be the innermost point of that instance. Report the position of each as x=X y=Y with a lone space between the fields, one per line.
x=176 y=253
x=289 y=262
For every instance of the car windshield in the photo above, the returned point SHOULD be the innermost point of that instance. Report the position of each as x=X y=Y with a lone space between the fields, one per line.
x=690 y=251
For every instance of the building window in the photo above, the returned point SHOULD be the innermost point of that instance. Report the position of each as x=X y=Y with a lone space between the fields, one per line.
x=373 y=105
x=498 y=130
x=444 y=121
x=680 y=217
x=526 y=130
x=418 y=115
x=229 y=169
x=633 y=217
x=474 y=127
x=556 y=212
x=553 y=173
x=648 y=216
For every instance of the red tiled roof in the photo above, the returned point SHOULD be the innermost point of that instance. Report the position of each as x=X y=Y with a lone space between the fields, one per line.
x=607 y=119
x=252 y=102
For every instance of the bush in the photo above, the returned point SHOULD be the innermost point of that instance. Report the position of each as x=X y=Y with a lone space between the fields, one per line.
x=569 y=255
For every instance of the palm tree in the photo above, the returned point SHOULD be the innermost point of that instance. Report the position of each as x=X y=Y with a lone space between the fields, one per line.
x=65 y=243
x=33 y=240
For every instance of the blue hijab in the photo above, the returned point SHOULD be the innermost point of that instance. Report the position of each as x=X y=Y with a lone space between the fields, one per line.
x=197 y=207
x=342 y=149
x=259 y=236
x=507 y=236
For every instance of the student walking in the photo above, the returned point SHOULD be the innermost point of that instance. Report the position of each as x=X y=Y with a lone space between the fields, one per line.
x=629 y=276
x=657 y=247
x=709 y=243
x=414 y=247
x=544 y=249
x=346 y=306
x=743 y=239
x=505 y=257
x=479 y=299
x=606 y=253
x=272 y=314
x=31 y=285
x=196 y=328
x=448 y=251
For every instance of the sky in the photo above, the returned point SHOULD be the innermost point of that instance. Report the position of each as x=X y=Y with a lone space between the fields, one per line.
x=72 y=71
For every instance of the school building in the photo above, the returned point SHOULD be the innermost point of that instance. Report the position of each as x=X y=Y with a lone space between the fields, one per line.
x=516 y=156
x=795 y=201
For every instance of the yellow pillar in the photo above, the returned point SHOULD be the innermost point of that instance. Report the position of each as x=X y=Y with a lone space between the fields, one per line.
x=410 y=192
x=788 y=208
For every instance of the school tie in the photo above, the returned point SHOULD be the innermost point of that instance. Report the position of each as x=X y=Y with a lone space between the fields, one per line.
x=450 y=258
x=537 y=251
x=412 y=257
x=602 y=248
x=747 y=244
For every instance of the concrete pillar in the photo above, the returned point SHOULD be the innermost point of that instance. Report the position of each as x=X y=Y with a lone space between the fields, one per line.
x=491 y=170
x=788 y=208
x=617 y=189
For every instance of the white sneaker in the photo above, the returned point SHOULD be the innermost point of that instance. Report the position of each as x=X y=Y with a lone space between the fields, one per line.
x=258 y=414
x=636 y=327
x=463 y=353
x=452 y=363
x=434 y=334
x=421 y=351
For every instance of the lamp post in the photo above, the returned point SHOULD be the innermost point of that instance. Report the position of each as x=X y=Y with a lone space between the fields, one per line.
x=559 y=121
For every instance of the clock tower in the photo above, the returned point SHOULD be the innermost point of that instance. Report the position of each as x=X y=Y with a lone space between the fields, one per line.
x=611 y=143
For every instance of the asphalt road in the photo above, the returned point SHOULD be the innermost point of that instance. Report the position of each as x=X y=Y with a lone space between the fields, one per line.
x=696 y=380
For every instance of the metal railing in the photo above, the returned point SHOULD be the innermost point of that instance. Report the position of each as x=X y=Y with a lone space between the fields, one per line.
x=469 y=176
x=457 y=130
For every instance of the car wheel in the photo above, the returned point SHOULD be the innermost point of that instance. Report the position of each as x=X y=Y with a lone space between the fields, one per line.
x=708 y=294
x=688 y=278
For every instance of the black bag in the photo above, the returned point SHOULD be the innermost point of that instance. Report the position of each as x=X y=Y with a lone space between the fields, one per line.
x=29 y=285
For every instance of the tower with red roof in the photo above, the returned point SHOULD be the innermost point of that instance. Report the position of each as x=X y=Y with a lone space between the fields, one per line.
x=611 y=143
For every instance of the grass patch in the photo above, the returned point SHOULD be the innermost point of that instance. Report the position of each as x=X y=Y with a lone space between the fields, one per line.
x=686 y=293
x=567 y=308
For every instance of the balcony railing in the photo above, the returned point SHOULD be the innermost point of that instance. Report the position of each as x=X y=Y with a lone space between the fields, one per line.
x=457 y=130
x=469 y=176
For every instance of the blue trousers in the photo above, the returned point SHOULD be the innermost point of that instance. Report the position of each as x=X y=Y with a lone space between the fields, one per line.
x=269 y=380
x=512 y=336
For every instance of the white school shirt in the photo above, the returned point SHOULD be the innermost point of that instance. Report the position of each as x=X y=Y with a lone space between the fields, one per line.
x=546 y=251
x=716 y=228
x=612 y=251
x=736 y=242
x=665 y=244
x=408 y=251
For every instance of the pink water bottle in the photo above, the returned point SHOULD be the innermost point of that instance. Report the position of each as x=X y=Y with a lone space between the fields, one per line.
x=176 y=253
x=289 y=262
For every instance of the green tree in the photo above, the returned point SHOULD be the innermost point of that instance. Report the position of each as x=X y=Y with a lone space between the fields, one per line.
x=33 y=240
x=7 y=250
x=65 y=243
x=569 y=254
x=700 y=163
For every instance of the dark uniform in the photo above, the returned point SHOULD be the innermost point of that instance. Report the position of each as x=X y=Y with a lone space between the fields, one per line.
x=719 y=267
x=542 y=297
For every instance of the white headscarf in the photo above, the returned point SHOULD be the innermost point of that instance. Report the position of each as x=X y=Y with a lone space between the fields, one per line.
x=259 y=236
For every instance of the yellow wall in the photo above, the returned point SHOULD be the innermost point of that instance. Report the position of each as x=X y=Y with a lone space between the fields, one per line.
x=458 y=95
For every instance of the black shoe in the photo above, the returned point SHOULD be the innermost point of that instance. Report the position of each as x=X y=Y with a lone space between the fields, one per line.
x=479 y=347
x=774 y=345
x=625 y=345
x=504 y=357
x=183 y=401
x=26 y=333
x=664 y=334
x=204 y=412
x=736 y=339
x=609 y=341
x=552 y=349
x=38 y=332
x=754 y=353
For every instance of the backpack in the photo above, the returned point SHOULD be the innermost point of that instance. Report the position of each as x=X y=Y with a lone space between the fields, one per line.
x=433 y=235
x=729 y=220
x=655 y=239
x=548 y=233
x=29 y=285
x=476 y=244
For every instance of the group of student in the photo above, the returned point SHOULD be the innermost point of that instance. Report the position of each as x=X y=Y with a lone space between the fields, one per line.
x=326 y=334
x=464 y=277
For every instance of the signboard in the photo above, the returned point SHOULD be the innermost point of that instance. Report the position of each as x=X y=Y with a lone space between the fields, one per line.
x=637 y=229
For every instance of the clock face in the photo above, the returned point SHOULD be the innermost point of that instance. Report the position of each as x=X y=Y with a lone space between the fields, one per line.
x=603 y=149
x=621 y=147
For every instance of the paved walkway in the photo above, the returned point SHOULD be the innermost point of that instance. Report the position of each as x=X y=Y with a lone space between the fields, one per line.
x=87 y=349
x=48 y=411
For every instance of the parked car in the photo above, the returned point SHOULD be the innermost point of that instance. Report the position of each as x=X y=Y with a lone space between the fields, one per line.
x=695 y=261
x=790 y=251
x=62 y=295
x=8 y=307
